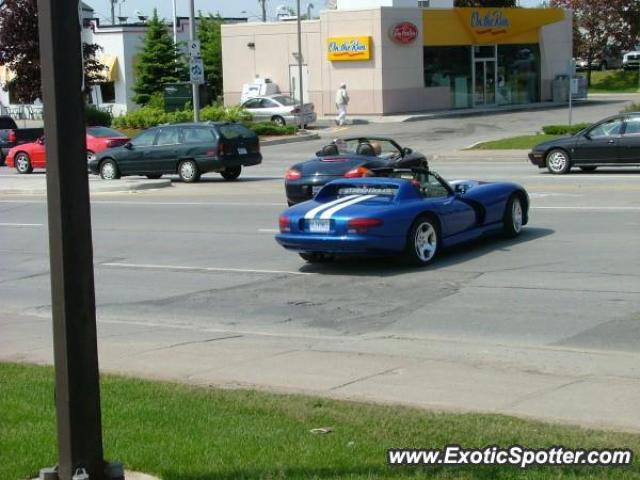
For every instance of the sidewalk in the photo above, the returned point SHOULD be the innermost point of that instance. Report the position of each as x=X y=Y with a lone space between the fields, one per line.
x=36 y=184
x=589 y=388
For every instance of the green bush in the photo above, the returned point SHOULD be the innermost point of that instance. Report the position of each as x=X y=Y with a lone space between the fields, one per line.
x=151 y=115
x=268 y=128
x=94 y=117
x=632 y=107
x=564 y=129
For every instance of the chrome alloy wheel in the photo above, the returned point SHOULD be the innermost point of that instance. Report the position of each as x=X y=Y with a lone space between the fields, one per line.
x=187 y=171
x=108 y=171
x=516 y=215
x=90 y=155
x=22 y=163
x=557 y=161
x=426 y=241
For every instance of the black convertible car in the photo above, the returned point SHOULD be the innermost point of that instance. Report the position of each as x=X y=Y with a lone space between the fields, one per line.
x=350 y=158
x=612 y=142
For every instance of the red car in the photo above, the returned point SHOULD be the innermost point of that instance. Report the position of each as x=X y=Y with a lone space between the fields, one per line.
x=28 y=156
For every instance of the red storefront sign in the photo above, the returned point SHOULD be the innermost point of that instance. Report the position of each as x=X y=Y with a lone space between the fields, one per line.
x=404 y=32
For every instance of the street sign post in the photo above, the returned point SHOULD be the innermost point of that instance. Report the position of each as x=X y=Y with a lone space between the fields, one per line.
x=196 y=71
x=194 y=49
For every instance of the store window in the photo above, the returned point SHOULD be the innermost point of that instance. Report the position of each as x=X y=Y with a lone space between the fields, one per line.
x=108 y=92
x=518 y=74
x=450 y=67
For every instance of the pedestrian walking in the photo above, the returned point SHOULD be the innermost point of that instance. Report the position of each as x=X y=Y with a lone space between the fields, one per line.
x=342 y=100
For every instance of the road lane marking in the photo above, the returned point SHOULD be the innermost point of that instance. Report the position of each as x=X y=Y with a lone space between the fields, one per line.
x=601 y=208
x=198 y=269
x=21 y=224
x=268 y=230
x=162 y=204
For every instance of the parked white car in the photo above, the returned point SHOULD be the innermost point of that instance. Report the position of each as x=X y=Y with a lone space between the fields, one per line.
x=281 y=109
x=631 y=60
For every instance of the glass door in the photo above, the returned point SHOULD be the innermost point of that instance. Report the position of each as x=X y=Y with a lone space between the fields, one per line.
x=484 y=82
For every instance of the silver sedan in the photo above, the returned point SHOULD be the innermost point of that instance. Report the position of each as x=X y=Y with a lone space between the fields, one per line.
x=281 y=109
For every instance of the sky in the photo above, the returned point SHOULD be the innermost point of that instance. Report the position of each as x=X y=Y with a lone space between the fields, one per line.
x=226 y=8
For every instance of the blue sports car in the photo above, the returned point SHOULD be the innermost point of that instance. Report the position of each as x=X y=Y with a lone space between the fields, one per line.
x=413 y=212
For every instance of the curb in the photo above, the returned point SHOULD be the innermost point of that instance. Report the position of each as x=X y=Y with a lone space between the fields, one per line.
x=298 y=138
x=118 y=186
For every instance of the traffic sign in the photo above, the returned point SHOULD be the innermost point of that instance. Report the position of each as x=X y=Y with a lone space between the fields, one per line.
x=196 y=71
x=194 y=49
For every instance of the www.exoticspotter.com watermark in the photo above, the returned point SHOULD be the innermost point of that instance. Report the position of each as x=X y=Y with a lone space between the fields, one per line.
x=514 y=455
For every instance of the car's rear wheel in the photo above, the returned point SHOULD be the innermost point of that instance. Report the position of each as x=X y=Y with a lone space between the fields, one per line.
x=278 y=120
x=90 y=156
x=316 y=257
x=558 y=161
x=23 y=163
x=109 y=170
x=154 y=176
x=423 y=241
x=231 y=173
x=588 y=169
x=513 y=217
x=188 y=171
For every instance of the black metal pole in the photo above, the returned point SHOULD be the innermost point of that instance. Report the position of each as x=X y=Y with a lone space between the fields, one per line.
x=70 y=243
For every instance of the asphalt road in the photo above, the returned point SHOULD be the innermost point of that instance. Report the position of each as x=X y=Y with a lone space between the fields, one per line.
x=203 y=256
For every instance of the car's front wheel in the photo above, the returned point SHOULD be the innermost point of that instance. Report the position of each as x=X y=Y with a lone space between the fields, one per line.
x=558 y=161
x=231 y=173
x=109 y=170
x=188 y=171
x=423 y=241
x=23 y=163
x=513 y=217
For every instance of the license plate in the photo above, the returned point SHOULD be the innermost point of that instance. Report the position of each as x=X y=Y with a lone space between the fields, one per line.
x=315 y=189
x=319 y=225
x=242 y=151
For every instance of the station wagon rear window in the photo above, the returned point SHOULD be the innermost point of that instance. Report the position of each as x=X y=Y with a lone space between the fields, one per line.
x=233 y=130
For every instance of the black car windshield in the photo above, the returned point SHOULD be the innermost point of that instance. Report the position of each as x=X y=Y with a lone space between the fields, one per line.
x=102 y=132
x=232 y=131
x=286 y=101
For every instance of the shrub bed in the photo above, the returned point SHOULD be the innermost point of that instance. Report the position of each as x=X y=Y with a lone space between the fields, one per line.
x=564 y=129
x=151 y=115
x=96 y=118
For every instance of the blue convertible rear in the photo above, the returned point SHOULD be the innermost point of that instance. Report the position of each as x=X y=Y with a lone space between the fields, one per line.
x=414 y=215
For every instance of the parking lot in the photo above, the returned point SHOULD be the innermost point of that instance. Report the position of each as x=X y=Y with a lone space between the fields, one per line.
x=191 y=285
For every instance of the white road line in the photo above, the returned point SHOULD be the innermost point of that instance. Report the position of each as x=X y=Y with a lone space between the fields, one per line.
x=268 y=230
x=198 y=269
x=21 y=224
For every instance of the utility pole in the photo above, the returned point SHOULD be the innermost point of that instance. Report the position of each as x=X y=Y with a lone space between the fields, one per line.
x=77 y=389
x=300 y=64
x=175 y=25
x=264 y=10
x=195 y=85
x=113 y=12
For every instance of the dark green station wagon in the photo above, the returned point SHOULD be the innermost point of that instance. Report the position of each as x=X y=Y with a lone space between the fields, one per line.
x=188 y=149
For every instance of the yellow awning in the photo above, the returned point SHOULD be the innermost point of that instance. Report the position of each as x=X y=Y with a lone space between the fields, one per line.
x=111 y=65
x=6 y=74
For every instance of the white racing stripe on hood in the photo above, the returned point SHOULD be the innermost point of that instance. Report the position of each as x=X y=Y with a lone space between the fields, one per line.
x=327 y=213
x=314 y=211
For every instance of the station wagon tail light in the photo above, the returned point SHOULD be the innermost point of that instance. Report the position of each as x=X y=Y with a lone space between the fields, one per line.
x=285 y=224
x=11 y=136
x=221 y=149
x=362 y=225
x=358 y=172
x=292 y=174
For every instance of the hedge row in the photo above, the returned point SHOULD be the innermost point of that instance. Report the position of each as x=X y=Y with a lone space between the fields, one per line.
x=268 y=128
x=564 y=129
x=150 y=116
x=96 y=118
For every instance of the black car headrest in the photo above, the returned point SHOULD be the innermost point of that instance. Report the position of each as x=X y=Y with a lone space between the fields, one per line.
x=329 y=150
x=365 y=148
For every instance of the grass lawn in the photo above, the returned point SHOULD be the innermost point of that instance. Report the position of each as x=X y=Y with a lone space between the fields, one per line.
x=614 y=81
x=182 y=432
x=524 y=142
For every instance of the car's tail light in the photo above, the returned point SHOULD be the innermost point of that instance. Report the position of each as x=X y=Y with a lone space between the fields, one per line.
x=358 y=172
x=285 y=224
x=292 y=174
x=220 y=149
x=296 y=110
x=117 y=142
x=362 y=225
x=11 y=136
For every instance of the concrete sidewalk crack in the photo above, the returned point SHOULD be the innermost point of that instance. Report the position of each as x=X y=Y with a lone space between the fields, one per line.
x=373 y=375
x=181 y=344
x=544 y=391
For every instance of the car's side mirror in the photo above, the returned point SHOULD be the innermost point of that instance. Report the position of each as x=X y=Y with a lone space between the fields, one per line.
x=128 y=146
x=460 y=189
x=40 y=140
x=407 y=151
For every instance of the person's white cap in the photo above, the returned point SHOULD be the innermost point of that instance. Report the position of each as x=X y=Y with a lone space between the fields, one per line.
x=343 y=85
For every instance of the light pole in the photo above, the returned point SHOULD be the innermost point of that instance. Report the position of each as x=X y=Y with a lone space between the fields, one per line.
x=264 y=10
x=175 y=25
x=195 y=86
x=300 y=64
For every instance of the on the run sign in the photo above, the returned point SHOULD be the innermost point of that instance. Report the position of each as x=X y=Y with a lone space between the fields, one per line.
x=404 y=33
